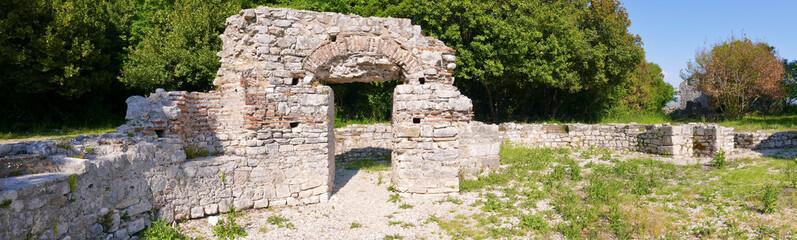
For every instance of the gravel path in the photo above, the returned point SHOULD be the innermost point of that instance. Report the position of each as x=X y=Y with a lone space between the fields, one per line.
x=358 y=199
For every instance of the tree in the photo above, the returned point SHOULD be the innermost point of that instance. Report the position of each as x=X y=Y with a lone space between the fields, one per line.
x=647 y=90
x=790 y=81
x=736 y=73
x=177 y=44
x=57 y=55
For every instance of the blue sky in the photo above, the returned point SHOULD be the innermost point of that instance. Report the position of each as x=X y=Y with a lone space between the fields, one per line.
x=672 y=31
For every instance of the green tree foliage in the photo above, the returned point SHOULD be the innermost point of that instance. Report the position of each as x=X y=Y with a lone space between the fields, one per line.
x=522 y=59
x=517 y=59
x=790 y=81
x=56 y=53
x=737 y=73
x=176 y=43
x=647 y=90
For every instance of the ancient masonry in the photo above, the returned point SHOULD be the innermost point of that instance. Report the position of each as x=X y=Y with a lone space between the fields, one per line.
x=266 y=137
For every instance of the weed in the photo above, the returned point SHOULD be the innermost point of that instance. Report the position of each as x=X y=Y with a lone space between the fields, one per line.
x=280 y=221
x=391 y=188
x=355 y=225
x=394 y=198
x=73 y=183
x=451 y=200
x=769 y=199
x=393 y=237
x=223 y=177
x=533 y=222
x=125 y=216
x=6 y=204
x=89 y=150
x=391 y=223
x=263 y=229
x=162 y=230
x=193 y=151
x=228 y=229
x=131 y=134
x=405 y=206
x=379 y=179
x=63 y=144
x=719 y=159
x=791 y=174
x=106 y=221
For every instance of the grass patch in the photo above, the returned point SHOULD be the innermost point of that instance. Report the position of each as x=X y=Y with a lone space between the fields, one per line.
x=6 y=204
x=162 y=230
x=763 y=122
x=636 y=117
x=45 y=132
x=368 y=165
x=633 y=198
x=393 y=237
x=279 y=221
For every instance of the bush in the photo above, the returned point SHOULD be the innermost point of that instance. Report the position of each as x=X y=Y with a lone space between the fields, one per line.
x=719 y=159
x=228 y=229
x=769 y=199
x=163 y=231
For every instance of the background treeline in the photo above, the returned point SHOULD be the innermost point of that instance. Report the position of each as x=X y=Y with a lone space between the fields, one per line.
x=74 y=62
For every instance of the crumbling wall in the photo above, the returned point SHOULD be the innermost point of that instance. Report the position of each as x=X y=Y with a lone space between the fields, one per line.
x=123 y=183
x=765 y=140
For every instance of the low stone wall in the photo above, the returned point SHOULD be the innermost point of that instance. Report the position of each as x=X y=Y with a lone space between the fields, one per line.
x=354 y=142
x=120 y=184
x=765 y=140
x=614 y=136
x=677 y=141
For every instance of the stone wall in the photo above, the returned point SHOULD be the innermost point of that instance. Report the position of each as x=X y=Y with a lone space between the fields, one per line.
x=613 y=136
x=363 y=142
x=765 y=140
x=271 y=103
x=122 y=180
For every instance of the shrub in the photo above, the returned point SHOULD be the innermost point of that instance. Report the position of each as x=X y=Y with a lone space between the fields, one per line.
x=163 y=231
x=719 y=159
x=228 y=229
x=769 y=199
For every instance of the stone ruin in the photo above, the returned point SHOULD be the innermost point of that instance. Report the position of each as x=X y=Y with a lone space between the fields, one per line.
x=265 y=137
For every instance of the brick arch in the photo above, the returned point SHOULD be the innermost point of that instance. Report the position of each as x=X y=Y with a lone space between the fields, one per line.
x=345 y=46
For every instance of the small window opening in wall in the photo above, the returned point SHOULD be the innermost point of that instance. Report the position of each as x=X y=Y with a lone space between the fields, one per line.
x=160 y=133
x=416 y=120
x=422 y=80
x=294 y=124
x=333 y=38
x=295 y=81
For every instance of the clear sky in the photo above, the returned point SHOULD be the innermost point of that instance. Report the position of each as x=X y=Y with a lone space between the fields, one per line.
x=672 y=31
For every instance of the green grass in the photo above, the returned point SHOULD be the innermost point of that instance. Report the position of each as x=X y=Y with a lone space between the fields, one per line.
x=637 y=117
x=634 y=198
x=771 y=122
x=58 y=133
x=780 y=122
x=343 y=122
x=368 y=165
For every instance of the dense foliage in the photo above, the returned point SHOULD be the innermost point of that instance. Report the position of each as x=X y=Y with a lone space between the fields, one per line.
x=736 y=74
x=75 y=61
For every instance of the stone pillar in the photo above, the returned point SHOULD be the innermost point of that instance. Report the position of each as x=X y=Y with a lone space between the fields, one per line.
x=425 y=158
